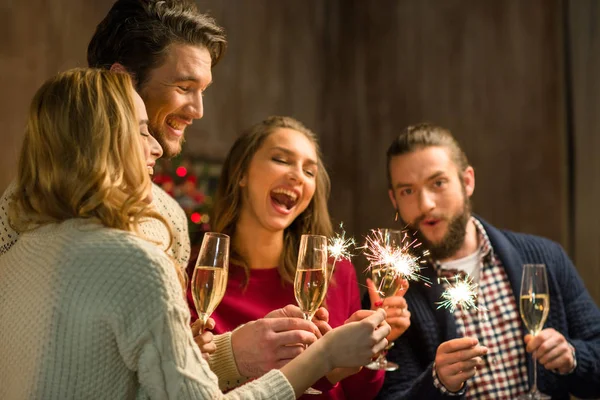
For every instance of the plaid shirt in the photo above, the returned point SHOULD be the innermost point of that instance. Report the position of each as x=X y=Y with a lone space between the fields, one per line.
x=504 y=375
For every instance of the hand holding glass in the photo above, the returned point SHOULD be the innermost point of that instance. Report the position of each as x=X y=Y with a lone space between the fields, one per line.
x=534 y=307
x=310 y=283
x=386 y=283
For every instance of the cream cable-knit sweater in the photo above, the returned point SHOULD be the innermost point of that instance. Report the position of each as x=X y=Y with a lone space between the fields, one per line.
x=88 y=312
x=152 y=229
x=222 y=362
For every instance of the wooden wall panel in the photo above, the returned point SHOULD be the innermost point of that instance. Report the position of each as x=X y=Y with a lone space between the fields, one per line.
x=272 y=67
x=584 y=39
x=489 y=71
x=39 y=39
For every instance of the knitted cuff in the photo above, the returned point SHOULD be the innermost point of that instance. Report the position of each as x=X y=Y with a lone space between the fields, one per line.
x=222 y=363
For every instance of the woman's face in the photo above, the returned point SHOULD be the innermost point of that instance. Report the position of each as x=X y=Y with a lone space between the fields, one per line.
x=152 y=150
x=280 y=181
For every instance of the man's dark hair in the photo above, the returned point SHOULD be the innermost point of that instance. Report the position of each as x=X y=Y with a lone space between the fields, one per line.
x=420 y=136
x=137 y=34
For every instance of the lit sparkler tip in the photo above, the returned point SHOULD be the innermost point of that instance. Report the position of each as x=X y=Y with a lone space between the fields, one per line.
x=398 y=258
x=460 y=293
x=339 y=246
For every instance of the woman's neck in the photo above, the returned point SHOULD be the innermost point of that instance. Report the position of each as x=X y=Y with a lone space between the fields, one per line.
x=259 y=248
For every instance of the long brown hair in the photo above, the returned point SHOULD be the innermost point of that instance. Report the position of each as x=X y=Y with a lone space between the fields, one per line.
x=228 y=200
x=82 y=156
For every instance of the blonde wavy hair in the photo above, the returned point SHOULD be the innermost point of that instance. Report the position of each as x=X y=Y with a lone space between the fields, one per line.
x=82 y=155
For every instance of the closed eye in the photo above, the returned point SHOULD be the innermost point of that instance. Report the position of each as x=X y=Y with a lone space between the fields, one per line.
x=279 y=160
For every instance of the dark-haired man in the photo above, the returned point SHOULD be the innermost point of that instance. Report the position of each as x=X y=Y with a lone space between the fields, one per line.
x=476 y=353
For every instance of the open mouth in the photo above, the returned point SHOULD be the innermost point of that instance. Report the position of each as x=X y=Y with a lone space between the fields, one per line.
x=284 y=198
x=430 y=222
x=175 y=124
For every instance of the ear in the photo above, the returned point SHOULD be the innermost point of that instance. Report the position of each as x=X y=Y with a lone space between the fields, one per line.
x=243 y=181
x=117 y=67
x=468 y=177
x=393 y=199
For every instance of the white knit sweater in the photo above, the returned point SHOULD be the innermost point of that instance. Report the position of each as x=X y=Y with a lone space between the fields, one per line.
x=88 y=312
x=152 y=229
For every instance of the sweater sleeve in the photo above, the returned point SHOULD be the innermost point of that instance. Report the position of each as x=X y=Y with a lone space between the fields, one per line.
x=170 y=366
x=583 y=317
x=8 y=236
x=154 y=339
x=222 y=363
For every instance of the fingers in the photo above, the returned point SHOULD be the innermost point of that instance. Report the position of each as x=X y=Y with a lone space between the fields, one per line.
x=457 y=344
x=321 y=320
x=457 y=360
x=288 y=352
x=359 y=316
x=552 y=350
x=373 y=295
x=377 y=321
x=289 y=324
x=323 y=326
x=205 y=342
x=403 y=287
x=292 y=337
x=454 y=382
x=210 y=324
x=394 y=302
x=321 y=315
x=289 y=311
x=197 y=327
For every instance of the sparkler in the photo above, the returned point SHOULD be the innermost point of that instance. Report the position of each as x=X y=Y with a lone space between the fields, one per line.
x=339 y=248
x=398 y=260
x=461 y=293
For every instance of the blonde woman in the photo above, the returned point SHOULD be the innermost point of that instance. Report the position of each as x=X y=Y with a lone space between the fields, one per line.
x=110 y=317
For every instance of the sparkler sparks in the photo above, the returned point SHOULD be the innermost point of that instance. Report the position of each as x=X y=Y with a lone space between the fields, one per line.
x=395 y=257
x=339 y=247
x=460 y=293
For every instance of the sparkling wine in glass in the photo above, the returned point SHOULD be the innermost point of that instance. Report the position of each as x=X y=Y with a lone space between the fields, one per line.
x=209 y=279
x=310 y=282
x=387 y=283
x=534 y=308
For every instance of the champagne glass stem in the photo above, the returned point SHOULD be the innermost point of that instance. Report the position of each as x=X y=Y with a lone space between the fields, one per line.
x=534 y=387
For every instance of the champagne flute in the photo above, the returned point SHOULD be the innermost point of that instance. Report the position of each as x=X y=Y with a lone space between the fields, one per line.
x=210 y=274
x=310 y=282
x=387 y=283
x=534 y=307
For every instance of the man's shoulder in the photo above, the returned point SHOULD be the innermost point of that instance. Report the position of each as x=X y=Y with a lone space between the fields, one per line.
x=165 y=204
x=520 y=240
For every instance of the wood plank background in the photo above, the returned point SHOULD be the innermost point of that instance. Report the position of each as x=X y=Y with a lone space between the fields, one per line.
x=514 y=80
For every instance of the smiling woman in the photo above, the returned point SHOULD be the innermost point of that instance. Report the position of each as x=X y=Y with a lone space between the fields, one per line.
x=273 y=189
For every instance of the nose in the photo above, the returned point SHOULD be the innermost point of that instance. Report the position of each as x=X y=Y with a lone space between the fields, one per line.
x=295 y=174
x=156 y=150
x=426 y=201
x=196 y=106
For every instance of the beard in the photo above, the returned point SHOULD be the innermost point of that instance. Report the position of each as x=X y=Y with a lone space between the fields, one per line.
x=170 y=149
x=454 y=237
